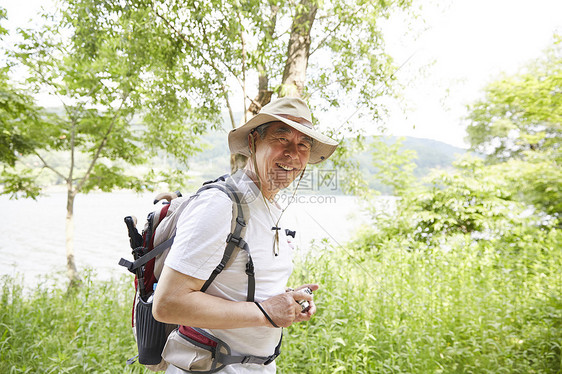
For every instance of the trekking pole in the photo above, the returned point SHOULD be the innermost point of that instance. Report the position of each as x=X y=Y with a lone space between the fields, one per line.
x=136 y=242
x=134 y=237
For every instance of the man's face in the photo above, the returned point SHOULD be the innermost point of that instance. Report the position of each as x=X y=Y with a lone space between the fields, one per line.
x=280 y=156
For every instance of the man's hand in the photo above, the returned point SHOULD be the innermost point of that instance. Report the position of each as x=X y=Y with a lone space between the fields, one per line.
x=285 y=310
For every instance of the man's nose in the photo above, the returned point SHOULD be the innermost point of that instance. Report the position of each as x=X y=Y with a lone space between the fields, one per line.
x=291 y=150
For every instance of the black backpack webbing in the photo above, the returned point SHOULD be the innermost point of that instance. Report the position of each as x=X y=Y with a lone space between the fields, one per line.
x=159 y=249
x=227 y=358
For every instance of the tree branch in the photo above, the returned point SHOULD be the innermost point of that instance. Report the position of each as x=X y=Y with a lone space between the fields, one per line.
x=186 y=41
x=101 y=146
x=220 y=75
x=243 y=65
x=333 y=30
x=47 y=166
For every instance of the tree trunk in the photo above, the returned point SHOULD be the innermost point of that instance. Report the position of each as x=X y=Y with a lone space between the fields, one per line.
x=262 y=98
x=299 y=48
x=72 y=272
x=264 y=93
x=295 y=67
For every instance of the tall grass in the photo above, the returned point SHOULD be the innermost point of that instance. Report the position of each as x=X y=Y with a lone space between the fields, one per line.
x=469 y=309
x=48 y=330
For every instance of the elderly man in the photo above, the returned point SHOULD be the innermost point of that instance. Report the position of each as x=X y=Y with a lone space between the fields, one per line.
x=280 y=141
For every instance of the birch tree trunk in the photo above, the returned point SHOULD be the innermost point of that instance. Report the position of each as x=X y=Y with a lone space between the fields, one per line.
x=294 y=74
x=71 y=270
x=263 y=97
x=298 y=51
x=239 y=161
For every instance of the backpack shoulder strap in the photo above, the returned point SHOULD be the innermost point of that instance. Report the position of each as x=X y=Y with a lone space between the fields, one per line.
x=235 y=240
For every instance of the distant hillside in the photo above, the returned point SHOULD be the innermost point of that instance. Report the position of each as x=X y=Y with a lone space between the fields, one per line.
x=432 y=154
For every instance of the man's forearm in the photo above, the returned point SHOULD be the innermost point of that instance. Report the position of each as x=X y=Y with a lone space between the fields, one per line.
x=179 y=301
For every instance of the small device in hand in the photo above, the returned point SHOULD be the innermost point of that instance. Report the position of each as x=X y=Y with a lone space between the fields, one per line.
x=305 y=305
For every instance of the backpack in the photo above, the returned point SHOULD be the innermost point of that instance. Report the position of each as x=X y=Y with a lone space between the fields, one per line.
x=149 y=251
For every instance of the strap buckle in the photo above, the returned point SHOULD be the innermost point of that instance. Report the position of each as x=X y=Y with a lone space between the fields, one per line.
x=219 y=268
x=250 y=268
x=234 y=239
x=127 y=264
x=258 y=360
x=240 y=221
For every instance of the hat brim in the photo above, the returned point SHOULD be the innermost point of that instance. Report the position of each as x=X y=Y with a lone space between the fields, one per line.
x=322 y=147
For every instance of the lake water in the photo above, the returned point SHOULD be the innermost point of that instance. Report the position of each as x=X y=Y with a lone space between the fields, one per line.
x=32 y=233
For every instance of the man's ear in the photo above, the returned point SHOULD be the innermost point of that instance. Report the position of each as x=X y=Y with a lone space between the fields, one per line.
x=252 y=141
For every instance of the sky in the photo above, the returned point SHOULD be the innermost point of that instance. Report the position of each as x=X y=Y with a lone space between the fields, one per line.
x=454 y=49
x=463 y=47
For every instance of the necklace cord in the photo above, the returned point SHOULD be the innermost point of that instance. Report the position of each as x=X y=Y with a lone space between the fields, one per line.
x=259 y=182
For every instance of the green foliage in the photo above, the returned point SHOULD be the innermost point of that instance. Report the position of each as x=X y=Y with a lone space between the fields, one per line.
x=485 y=306
x=464 y=277
x=18 y=119
x=464 y=274
x=46 y=330
x=247 y=41
x=104 y=81
x=350 y=178
x=537 y=180
x=18 y=115
x=479 y=201
x=22 y=181
x=469 y=200
x=169 y=64
x=219 y=40
x=468 y=264
x=3 y=31
x=520 y=112
x=476 y=307
x=393 y=164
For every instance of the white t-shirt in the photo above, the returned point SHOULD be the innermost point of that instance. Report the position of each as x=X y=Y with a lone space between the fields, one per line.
x=199 y=246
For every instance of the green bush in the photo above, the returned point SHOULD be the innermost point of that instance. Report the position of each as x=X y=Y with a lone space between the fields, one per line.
x=465 y=277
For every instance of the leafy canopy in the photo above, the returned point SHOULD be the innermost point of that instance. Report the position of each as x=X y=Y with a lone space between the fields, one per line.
x=521 y=112
x=18 y=115
x=119 y=107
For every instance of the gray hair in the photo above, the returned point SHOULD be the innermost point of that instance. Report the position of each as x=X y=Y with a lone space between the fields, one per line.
x=262 y=130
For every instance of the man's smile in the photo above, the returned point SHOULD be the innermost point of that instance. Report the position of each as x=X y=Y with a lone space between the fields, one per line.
x=285 y=167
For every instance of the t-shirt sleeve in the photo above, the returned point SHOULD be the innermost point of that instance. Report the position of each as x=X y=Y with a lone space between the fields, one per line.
x=201 y=235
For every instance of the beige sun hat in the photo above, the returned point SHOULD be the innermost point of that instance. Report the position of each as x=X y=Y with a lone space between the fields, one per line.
x=293 y=112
